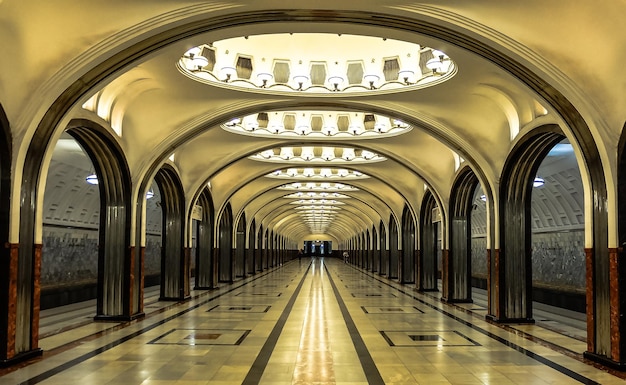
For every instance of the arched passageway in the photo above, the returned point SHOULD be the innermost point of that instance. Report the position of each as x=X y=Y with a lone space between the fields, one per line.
x=240 y=248
x=205 y=275
x=618 y=256
x=384 y=250
x=457 y=270
x=117 y=262
x=374 y=254
x=557 y=220
x=394 y=252
x=225 y=249
x=408 y=247
x=251 y=254
x=174 y=260
x=427 y=267
x=513 y=276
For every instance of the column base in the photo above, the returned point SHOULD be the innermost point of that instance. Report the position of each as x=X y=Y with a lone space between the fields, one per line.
x=21 y=358
x=621 y=366
x=118 y=318
x=180 y=299
x=205 y=287
x=433 y=290
x=495 y=319
x=457 y=300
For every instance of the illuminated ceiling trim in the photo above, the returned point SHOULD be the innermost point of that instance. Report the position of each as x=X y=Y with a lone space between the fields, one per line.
x=311 y=154
x=319 y=125
x=316 y=63
x=317 y=173
x=316 y=196
x=317 y=186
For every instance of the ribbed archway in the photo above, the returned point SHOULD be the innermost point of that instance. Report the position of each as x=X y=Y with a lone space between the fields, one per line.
x=429 y=235
x=225 y=241
x=117 y=267
x=457 y=270
x=240 y=248
x=205 y=264
x=513 y=277
x=394 y=252
x=174 y=261
x=408 y=246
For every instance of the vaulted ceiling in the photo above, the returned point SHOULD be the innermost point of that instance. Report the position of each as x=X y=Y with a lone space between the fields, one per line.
x=343 y=100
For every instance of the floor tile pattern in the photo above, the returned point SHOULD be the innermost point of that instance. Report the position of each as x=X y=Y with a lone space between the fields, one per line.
x=324 y=322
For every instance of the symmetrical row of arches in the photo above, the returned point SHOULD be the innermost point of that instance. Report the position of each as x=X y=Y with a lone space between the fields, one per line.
x=406 y=246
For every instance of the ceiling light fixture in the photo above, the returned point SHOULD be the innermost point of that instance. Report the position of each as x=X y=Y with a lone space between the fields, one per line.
x=264 y=77
x=228 y=72
x=300 y=80
x=335 y=81
x=199 y=63
x=371 y=79
x=92 y=179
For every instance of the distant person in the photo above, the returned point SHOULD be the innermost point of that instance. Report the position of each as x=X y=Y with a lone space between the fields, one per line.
x=300 y=255
x=345 y=256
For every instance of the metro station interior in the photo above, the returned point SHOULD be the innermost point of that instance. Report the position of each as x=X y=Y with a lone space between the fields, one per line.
x=371 y=192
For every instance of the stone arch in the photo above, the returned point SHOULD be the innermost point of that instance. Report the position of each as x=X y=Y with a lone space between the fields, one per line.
x=205 y=264
x=118 y=292
x=513 y=274
x=273 y=246
x=383 y=259
x=456 y=269
x=394 y=252
x=225 y=245
x=251 y=252
x=407 y=271
x=363 y=246
x=373 y=254
x=240 y=247
x=427 y=256
x=174 y=260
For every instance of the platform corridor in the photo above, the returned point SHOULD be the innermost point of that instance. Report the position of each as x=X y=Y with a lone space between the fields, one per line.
x=308 y=322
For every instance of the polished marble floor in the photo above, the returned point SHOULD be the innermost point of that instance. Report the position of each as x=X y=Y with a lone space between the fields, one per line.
x=323 y=322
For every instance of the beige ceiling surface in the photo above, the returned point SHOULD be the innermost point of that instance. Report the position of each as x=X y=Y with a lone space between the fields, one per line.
x=157 y=112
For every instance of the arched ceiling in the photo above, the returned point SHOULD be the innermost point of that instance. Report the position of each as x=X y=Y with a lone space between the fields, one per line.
x=159 y=113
